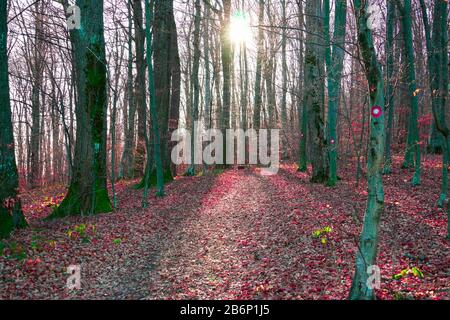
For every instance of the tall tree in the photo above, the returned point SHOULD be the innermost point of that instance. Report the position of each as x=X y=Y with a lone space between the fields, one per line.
x=389 y=48
x=196 y=84
x=140 y=87
x=368 y=243
x=126 y=163
x=335 y=64
x=153 y=112
x=284 y=67
x=166 y=74
x=11 y=216
x=226 y=69
x=259 y=58
x=37 y=73
x=302 y=108
x=314 y=90
x=413 y=132
x=175 y=98
x=87 y=192
x=437 y=57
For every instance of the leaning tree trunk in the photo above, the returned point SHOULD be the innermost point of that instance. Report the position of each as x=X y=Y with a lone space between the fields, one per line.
x=335 y=64
x=314 y=90
x=405 y=16
x=367 y=249
x=88 y=193
x=11 y=216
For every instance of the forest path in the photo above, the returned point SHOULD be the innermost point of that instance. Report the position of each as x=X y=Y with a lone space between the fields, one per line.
x=247 y=243
x=235 y=235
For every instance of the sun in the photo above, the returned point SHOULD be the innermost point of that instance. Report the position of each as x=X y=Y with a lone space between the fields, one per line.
x=240 y=31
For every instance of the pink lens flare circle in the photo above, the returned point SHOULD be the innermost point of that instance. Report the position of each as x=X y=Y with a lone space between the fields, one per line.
x=376 y=111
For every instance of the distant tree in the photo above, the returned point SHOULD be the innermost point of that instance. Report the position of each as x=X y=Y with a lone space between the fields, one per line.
x=389 y=48
x=259 y=58
x=140 y=87
x=126 y=163
x=413 y=146
x=302 y=108
x=196 y=84
x=437 y=57
x=226 y=70
x=37 y=73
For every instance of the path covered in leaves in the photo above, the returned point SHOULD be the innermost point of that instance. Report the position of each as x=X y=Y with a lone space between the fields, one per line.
x=236 y=235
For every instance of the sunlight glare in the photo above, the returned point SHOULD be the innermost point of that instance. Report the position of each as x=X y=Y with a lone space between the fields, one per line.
x=240 y=30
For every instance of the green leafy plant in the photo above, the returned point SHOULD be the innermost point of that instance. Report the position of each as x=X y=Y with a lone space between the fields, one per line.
x=416 y=272
x=81 y=231
x=322 y=234
x=117 y=241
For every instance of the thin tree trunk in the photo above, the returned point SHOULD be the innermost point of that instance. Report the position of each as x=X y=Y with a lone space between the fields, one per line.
x=367 y=249
x=226 y=69
x=389 y=85
x=196 y=84
x=153 y=112
x=258 y=97
x=335 y=64
x=140 y=92
x=405 y=16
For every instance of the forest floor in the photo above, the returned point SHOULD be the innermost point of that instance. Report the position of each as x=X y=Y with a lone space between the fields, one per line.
x=233 y=235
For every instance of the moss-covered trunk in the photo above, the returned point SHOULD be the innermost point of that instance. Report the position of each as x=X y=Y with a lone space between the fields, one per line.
x=88 y=192
x=368 y=243
x=11 y=216
x=153 y=113
x=413 y=134
x=335 y=64
x=314 y=91
x=166 y=86
x=437 y=58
